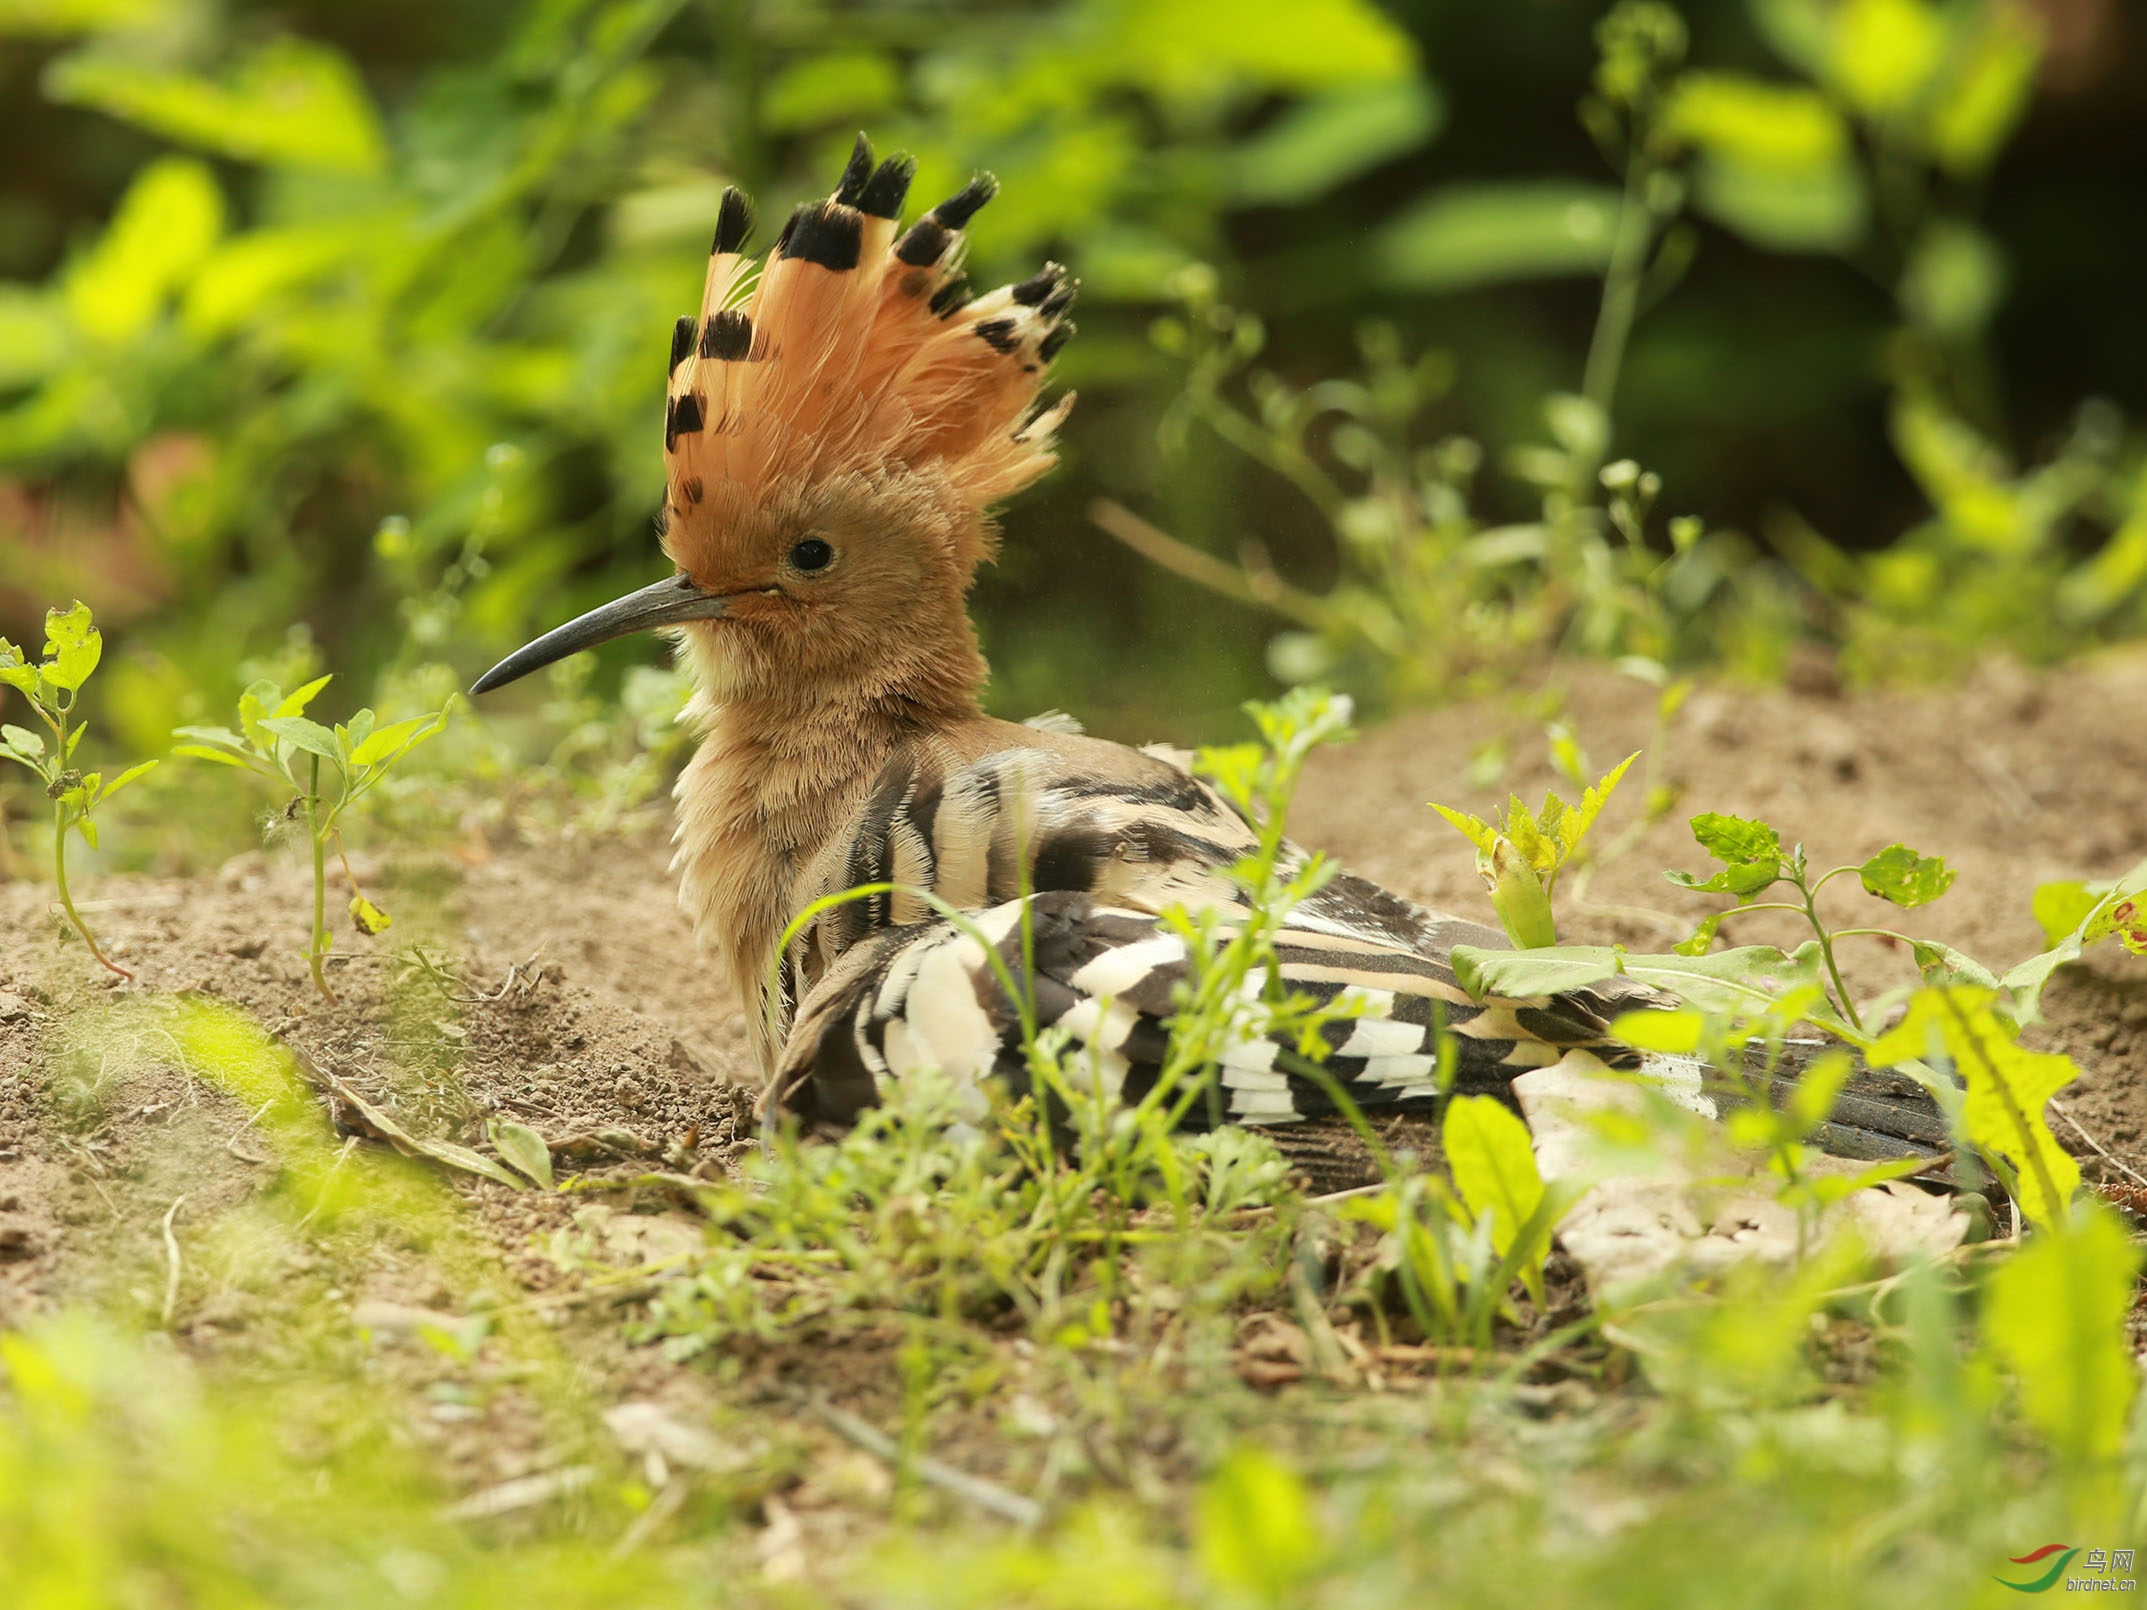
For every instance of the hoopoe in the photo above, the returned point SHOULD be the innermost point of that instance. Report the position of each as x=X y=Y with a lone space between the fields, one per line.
x=839 y=423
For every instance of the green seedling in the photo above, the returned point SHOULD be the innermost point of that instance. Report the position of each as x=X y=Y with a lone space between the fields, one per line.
x=73 y=646
x=1520 y=858
x=276 y=740
x=1753 y=861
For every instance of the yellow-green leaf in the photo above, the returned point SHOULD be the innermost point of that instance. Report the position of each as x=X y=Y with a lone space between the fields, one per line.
x=1885 y=52
x=2008 y=1087
x=1574 y=827
x=1778 y=127
x=1986 y=92
x=1494 y=1168
x=2055 y=1314
x=165 y=224
x=369 y=917
x=73 y=646
x=523 y=1148
x=1675 y=1033
x=292 y=103
x=295 y=703
x=1478 y=832
x=1253 y=1527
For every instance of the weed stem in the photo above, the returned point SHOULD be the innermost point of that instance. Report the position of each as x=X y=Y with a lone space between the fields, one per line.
x=67 y=904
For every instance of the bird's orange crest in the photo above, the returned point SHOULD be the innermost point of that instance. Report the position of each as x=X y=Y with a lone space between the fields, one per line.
x=853 y=349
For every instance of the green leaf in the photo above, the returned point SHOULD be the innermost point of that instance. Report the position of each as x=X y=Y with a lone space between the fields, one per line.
x=292 y=103
x=1898 y=874
x=384 y=742
x=58 y=17
x=1954 y=281
x=22 y=741
x=439 y=1151
x=2055 y=1312
x=1318 y=144
x=1253 y=1526
x=1742 y=881
x=1469 y=235
x=840 y=86
x=1824 y=210
x=82 y=822
x=1739 y=979
x=1777 y=128
x=1702 y=939
x=369 y=917
x=524 y=1148
x=1679 y=1032
x=1574 y=824
x=2063 y=908
x=1885 y=52
x=309 y=736
x=1942 y=964
x=1736 y=840
x=1477 y=831
x=295 y=704
x=255 y=705
x=1494 y=1168
x=360 y=729
x=1189 y=52
x=1986 y=91
x=73 y=646
x=2008 y=1087
x=1518 y=896
x=124 y=778
x=223 y=757
x=2100 y=920
x=16 y=671
x=165 y=223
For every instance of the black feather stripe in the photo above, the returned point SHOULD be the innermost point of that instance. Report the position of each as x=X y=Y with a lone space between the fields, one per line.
x=682 y=418
x=888 y=188
x=824 y=232
x=734 y=221
x=856 y=173
x=956 y=211
x=1052 y=344
x=681 y=341
x=728 y=335
x=951 y=297
x=925 y=243
x=998 y=334
x=1032 y=291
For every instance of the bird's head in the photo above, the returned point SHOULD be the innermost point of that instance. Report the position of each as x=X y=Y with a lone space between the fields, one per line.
x=839 y=421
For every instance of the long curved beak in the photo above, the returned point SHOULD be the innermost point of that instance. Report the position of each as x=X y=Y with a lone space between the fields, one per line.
x=664 y=603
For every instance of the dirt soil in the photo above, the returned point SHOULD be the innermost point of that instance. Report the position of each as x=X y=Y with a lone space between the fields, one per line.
x=559 y=985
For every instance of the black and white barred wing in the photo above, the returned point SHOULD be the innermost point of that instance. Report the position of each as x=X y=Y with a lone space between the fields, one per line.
x=935 y=995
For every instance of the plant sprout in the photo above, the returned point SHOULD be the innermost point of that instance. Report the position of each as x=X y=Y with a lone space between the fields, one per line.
x=278 y=741
x=73 y=646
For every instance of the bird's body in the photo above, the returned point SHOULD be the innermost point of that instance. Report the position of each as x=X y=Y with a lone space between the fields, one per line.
x=835 y=433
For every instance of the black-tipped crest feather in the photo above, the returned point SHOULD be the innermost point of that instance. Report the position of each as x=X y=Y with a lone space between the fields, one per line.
x=888 y=187
x=734 y=221
x=956 y=211
x=829 y=233
x=855 y=175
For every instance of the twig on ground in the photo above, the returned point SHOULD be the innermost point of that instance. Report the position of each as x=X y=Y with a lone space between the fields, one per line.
x=2101 y=1150
x=172 y=1262
x=985 y=1495
x=232 y=1145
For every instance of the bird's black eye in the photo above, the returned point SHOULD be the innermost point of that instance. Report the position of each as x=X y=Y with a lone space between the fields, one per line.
x=811 y=554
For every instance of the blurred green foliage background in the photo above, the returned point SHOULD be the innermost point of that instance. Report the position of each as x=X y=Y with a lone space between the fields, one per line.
x=334 y=333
